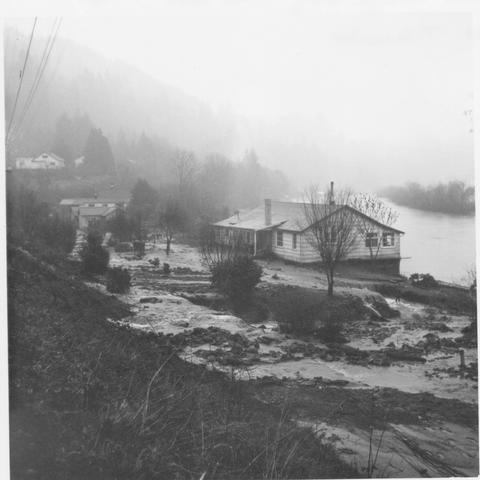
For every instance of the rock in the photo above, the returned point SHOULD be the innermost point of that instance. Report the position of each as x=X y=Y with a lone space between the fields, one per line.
x=266 y=340
x=335 y=383
x=150 y=300
x=440 y=327
x=328 y=358
x=182 y=323
x=252 y=349
x=406 y=355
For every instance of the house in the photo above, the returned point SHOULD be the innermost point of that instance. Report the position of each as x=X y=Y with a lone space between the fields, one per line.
x=45 y=161
x=280 y=228
x=82 y=210
x=96 y=215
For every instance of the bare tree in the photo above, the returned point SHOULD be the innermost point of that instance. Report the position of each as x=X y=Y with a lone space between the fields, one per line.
x=332 y=227
x=185 y=169
x=171 y=220
x=215 y=252
x=372 y=208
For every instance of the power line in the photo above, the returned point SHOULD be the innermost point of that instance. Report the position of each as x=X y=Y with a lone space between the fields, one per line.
x=48 y=81
x=22 y=76
x=15 y=135
x=40 y=71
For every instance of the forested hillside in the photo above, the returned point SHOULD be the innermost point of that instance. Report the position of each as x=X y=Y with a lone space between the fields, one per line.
x=126 y=125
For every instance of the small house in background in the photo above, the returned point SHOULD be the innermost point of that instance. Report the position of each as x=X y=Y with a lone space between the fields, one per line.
x=95 y=215
x=85 y=211
x=45 y=161
x=281 y=229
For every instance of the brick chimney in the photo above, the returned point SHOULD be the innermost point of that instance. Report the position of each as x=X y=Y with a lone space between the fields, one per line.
x=332 y=196
x=268 y=211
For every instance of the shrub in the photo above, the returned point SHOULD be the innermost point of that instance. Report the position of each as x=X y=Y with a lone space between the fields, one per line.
x=166 y=268
x=236 y=277
x=94 y=257
x=296 y=312
x=139 y=248
x=154 y=262
x=424 y=280
x=118 y=280
x=123 y=247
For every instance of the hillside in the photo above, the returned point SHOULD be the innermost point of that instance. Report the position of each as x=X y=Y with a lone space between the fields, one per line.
x=91 y=399
x=116 y=96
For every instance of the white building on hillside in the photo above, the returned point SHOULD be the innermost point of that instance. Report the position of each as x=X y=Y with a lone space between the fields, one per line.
x=45 y=161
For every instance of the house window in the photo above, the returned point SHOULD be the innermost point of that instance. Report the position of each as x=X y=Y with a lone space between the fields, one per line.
x=388 y=239
x=294 y=240
x=279 y=239
x=371 y=240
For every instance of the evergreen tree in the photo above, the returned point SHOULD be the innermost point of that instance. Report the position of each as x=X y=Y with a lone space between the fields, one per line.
x=63 y=139
x=98 y=154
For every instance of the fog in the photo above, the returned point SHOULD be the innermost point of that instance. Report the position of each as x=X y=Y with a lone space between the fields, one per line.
x=367 y=98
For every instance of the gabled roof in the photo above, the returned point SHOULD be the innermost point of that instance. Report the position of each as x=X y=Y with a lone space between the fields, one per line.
x=72 y=202
x=50 y=154
x=285 y=215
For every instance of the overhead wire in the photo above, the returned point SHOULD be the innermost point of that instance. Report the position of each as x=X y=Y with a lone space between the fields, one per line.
x=22 y=76
x=40 y=72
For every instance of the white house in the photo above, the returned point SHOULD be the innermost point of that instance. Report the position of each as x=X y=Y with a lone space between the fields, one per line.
x=281 y=228
x=45 y=161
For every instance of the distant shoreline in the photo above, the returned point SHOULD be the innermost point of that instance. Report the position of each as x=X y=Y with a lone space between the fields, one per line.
x=452 y=198
x=470 y=214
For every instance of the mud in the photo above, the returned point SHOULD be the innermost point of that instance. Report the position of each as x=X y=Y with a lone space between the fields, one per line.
x=414 y=352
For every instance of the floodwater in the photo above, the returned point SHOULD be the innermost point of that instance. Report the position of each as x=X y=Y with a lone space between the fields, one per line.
x=436 y=243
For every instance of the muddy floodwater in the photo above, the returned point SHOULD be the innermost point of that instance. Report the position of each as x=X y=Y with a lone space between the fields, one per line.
x=169 y=313
x=162 y=304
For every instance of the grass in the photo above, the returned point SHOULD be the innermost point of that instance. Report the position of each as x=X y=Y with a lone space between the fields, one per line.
x=90 y=399
x=452 y=300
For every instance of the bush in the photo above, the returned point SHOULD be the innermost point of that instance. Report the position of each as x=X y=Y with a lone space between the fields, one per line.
x=166 y=269
x=297 y=312
x=236 y=277
x=139 y=248
x=123 y=247
x=118 y=280
x=94 y=257
x=154 y=262
x=303 y=311
x=424 y=280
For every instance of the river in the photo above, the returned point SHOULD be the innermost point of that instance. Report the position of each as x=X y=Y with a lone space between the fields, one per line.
x=436 y=243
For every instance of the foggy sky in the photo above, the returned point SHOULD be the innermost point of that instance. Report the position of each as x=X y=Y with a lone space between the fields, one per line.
x=384 y=91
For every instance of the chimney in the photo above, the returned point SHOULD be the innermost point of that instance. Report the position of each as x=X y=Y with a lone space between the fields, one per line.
x=237 y=213
x=332 y=196
x=268 y=211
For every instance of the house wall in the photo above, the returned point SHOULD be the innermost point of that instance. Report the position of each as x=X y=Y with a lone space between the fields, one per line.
x=84 y=220
x=358 y=251
x=287 y=251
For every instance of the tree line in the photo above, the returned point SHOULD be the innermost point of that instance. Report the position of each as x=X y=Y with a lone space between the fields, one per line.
x=454 y=197
x=212 y=185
